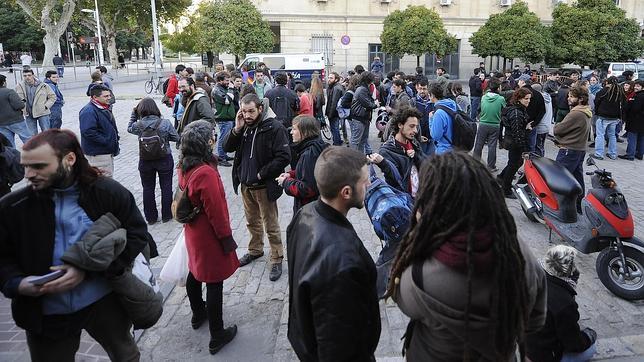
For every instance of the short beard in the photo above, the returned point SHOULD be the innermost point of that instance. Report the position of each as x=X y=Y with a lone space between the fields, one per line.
x=59 y=179
x=573 y=104
x=355 y=202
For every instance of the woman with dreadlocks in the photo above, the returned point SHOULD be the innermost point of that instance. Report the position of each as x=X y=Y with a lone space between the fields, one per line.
x=609 y=103
x=471 y=289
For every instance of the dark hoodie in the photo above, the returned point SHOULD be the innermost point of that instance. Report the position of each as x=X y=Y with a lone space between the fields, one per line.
x=301 y=182
x=439 y=306
x=261 y=149
x=394 y=152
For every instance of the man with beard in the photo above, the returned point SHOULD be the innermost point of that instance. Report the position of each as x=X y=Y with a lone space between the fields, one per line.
x=425 y=106
x=66 y=195
x=571 y=135
x=99 y=134
x=196 y=104
x=224 y=97
x=334 y=92
x=261 y=147
x=333 y=304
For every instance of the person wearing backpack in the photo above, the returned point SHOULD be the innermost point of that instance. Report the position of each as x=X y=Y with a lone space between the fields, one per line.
x=283 y=101
x=362 y=106
x=441 y=123
x=225 y=97
x=454 y=271
x=334 y=92
x=11 y=171
x=155 y=157
x=488 y=132
x=172 y=88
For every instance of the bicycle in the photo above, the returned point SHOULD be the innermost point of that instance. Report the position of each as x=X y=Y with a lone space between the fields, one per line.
x=151 y=85
x=324 y=128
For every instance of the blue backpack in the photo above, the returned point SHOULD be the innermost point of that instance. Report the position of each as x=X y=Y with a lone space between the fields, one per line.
x=389 y=209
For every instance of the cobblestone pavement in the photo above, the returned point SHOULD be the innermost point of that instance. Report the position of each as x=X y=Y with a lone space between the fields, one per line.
x=260 y=307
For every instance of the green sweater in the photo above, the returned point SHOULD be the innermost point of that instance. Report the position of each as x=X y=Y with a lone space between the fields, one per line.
x=491 y=105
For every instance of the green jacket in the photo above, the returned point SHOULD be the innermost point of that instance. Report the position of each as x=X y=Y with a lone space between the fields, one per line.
x=491 y=105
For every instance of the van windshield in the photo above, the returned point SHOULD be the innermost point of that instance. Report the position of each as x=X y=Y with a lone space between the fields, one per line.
x=275 y=62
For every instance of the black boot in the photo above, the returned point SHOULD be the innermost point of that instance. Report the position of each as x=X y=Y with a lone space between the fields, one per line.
x=199 y=317
x=221 y=338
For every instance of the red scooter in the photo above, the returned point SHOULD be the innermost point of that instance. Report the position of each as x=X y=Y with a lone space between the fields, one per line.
x=548 y=193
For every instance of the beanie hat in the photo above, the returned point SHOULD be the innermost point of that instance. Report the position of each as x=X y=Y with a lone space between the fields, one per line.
x=524 y=77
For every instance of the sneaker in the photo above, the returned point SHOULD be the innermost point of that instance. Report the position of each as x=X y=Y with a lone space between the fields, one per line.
x=611 y=157
x=276 y=272
x=596 y=157
x=248 y=258
x=639 y=157
x=592 y=145
x=224 y=163
x=165 y=220
x=198 y=318
x=152 y=222
x=625 y=157
x=221 y=338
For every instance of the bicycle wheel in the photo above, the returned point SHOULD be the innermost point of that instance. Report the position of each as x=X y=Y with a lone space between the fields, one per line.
x=149 y=87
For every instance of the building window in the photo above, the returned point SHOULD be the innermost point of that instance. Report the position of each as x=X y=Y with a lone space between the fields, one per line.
x=450 y=62
x=323 y=43
x=617 y=2
x=391 y=62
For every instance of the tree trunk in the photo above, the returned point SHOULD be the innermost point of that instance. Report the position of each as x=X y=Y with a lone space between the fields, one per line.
x=211 y=59
x=111 y=49
x=53 y=28
x=418 y=60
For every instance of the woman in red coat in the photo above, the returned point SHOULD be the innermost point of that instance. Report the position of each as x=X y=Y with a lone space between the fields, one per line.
x=209 y=240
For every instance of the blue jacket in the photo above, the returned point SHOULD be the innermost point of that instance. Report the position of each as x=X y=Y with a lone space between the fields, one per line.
x=60 y=101
x=441 y=126
x=99 y=134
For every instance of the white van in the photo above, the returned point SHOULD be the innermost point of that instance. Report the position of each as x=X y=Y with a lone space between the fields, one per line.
x=300 y=65
x=616 y=69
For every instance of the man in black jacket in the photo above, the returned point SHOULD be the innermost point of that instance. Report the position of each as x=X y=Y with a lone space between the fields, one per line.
x=334 y=92
x=284 y=102
x=333 y=304
x=261 y=147
x=362 y=106
x=66 y=195
x=536 y=109
x=476 y=92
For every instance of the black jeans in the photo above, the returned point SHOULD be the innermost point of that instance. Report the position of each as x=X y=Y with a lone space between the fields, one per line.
x=105 y=321
x=514 y=164
x=148 y=170
x=573 y=161
x=214 y=301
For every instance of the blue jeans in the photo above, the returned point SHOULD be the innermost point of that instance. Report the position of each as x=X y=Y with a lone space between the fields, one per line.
x=224 y=129
x=334 y=125
x=476 y=104
x=635 y=146
x=581 y=356
x=32 y=124
x=606 y=127
x=359 y=136
x=56 y=116
x=11 y=130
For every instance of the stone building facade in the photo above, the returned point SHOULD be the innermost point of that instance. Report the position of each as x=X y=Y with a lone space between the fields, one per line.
x=319 y=25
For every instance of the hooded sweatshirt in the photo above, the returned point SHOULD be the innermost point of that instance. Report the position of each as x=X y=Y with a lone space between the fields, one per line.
x=572 y=132
x=439 y=307
x=491 y=106
x=441 y=126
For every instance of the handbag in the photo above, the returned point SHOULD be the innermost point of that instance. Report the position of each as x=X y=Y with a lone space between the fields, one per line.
x=175 y=269
x=182 y=208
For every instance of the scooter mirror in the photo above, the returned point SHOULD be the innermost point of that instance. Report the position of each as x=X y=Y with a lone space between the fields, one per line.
x=590 y=162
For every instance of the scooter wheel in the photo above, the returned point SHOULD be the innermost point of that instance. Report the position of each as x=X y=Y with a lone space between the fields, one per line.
x=613 y=276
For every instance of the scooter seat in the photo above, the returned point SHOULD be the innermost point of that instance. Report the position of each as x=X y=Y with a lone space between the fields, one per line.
x=557 y=177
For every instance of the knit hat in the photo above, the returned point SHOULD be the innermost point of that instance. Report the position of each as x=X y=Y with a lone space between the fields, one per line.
x=560 y=262
x=524 y=77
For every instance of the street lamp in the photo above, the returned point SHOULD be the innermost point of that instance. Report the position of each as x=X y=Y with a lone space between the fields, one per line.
x=98 y=28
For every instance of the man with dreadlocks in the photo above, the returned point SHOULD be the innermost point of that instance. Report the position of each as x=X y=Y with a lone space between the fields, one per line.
x=471 y=289
x=609 y=103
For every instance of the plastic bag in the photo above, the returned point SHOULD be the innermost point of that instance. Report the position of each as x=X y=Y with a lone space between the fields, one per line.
x=175 y=269
x=141 y=269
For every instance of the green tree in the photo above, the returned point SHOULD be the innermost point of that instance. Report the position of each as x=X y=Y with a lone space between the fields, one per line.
x=416 y=30
x=184 y=41
x=17 y=31
x=591 y=32
x=514 y=33
x=53 y=17
x=232 y=26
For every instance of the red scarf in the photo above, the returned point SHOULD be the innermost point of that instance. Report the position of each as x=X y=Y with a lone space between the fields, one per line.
x=453 y=252
x=100 y=105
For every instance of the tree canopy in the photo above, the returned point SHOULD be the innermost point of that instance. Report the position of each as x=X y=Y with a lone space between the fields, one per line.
x=514 y=33
x=415 y=31
x=19 y=32
x=591 y=32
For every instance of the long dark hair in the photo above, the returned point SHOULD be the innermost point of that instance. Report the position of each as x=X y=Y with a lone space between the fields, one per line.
x=195 y=146
x=449 y=184
x=64 y=141
x=615 y=92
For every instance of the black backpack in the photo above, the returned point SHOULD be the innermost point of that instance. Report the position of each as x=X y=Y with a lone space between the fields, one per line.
x=463 y=129
x=11 y=171
x=165 y=85
x=151 y=145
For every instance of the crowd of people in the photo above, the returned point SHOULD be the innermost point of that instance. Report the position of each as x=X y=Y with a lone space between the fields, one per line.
x=269 y=133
